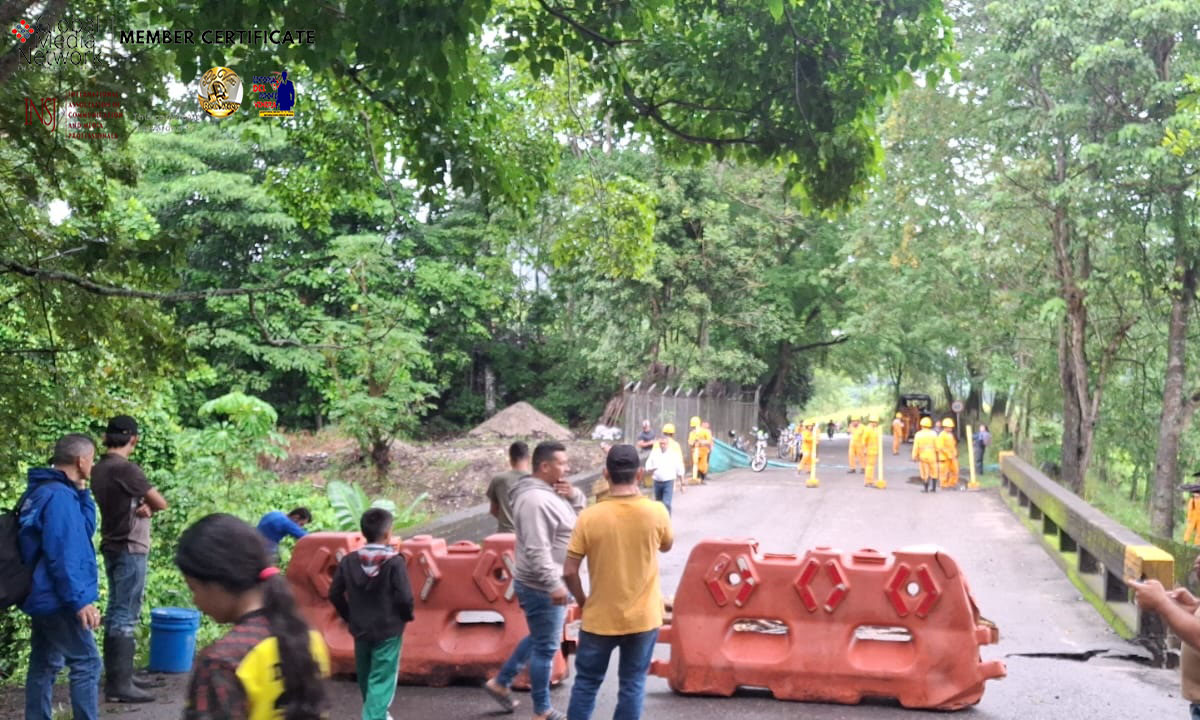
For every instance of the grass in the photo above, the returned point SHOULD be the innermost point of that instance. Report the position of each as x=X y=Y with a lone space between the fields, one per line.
x=1113 y=501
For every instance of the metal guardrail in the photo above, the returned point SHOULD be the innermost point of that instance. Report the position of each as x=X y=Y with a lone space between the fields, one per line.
x=1096 y=552
x=476 y=522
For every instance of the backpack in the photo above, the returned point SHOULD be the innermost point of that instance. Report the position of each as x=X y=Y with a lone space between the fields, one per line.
x=18 y=577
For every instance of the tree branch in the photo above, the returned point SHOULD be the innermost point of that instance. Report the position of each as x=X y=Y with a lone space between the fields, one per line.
x=11 y=266
x=824 y=343
x=584 y=30
x=650 y=110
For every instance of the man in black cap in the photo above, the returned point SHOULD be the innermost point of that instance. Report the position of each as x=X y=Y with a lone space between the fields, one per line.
x=126 y=502
x=620 y=537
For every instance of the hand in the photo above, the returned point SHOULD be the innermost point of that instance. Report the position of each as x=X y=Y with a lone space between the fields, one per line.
x=1183 y=597
x=559 y=596
x=89 y=616
x=563 y=488
x=1149 y=595
x=143 y=511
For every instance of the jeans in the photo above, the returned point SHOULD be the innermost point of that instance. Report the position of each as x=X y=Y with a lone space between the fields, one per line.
x=663 y=492
x=545 y=621
x=126 y=587
x=1195 y=711
x=376 y=665
x=591 y=664
x=979 y=450
x=56 y=640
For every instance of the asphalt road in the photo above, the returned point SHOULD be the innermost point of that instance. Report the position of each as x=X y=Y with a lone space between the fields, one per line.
x=1015 y=583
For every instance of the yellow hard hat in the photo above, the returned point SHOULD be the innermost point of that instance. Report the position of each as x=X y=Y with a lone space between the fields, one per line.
x=948 y=423
x=695 y=421
x=926 y=422
x=873 y=418
x=669 y=429
x=900 y=415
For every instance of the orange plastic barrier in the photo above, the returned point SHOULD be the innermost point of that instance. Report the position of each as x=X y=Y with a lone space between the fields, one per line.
x=827 y=627
x=466 y=617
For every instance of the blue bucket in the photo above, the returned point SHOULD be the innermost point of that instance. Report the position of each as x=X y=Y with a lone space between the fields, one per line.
x=173 y=639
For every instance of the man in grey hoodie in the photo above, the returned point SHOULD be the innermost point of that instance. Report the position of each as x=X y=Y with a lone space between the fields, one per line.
x=544 y=507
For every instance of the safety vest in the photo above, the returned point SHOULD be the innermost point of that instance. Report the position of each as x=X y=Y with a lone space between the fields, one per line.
x=925 y=445
x=947 y=446
x=869 y=440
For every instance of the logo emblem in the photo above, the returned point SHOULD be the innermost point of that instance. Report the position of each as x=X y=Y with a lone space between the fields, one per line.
x=23 y=32
x=46 y=113
x=220 y=92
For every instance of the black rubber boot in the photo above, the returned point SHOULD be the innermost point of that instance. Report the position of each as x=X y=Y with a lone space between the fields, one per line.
x=144 y=680
x=118 y=671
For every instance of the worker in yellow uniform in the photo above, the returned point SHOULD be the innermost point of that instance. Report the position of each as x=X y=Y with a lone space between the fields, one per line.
x=808 y=439
x=897 y=433
x=855 y=452
x=925 y=453
x=870 y=447
x=1191 y=531
x=700 y=440
x=947 y=460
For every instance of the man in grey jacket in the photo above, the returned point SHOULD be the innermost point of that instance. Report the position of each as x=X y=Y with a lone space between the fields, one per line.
x=544 y=509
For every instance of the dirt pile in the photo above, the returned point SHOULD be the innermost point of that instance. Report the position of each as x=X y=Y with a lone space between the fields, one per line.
x=521 y=420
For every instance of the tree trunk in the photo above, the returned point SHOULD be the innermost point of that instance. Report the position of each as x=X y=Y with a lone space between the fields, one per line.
x=1073 y=467
x=381 y=456
x=973 y=405
x=489 y=389
x=949 y=393
x=1176 y=409
x=1000 y=404
x=897 y=379
x=772 y=412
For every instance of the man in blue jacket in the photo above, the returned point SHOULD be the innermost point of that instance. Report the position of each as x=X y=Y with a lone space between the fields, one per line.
x=57 y=519
x=275 y=526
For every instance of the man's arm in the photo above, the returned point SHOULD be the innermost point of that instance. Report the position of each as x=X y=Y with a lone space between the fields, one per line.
x=402 y=588
x=538 y=542
x=495 y=502
x=63 y=541
x=337 y=594
x=1151 y=595
x=291 y=528
x=154 y=500
x=572 y=579
x=666 y=535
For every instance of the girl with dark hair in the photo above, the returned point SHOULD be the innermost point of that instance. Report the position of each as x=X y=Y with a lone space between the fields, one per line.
x=269 y=666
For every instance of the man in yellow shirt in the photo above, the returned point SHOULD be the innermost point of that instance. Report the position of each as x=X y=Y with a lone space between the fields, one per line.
x=856 y=429
x=925 y=453
x=897 y=433
x=869 y=440
x=947 y=449
x=620 y=538
x=700 y=441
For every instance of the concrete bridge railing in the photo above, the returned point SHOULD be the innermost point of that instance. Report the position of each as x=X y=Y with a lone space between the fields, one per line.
x=1095 y=551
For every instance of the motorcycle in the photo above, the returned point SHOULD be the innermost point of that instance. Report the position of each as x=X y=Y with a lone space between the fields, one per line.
x=786 y=439
x=759 y=463
x=736 y=441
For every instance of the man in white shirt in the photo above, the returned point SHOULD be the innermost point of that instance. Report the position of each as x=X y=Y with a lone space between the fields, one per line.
x=666 y=466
